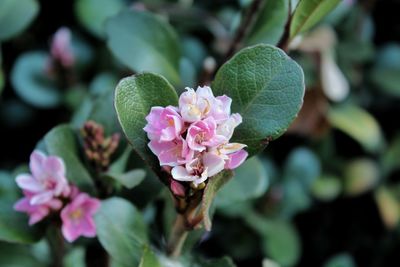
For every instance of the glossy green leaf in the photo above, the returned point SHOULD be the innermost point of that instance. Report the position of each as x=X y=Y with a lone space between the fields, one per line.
x=92 y=14
x=30 y=82
x=267 y=89
x=121 y=231
x=250 y=181
x=270 y=23
x=359 y=124
x=341 y=260
x=326 y=188
x=14 y=226
x=360 y=176
x=144 y=42
x=134 y=97
x=214 y=184
x=308 y=13
x=129 y=179
x=15 y=16
x=60 y=141
x=149 y=259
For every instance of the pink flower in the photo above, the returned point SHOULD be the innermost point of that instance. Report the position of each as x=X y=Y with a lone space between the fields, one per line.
x=202 y=134
x=171 y=153
x=228 y=126
x=77 y=217
x=199 y=169
x=163 y=124
x=47 y=179
x=36 y=212
x=236 y=159
x=177 y=188
x=61 y=49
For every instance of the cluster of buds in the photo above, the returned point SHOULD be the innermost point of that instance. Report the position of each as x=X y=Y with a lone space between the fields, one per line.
x=47 y=191
x=97 y=148
x=192 y=140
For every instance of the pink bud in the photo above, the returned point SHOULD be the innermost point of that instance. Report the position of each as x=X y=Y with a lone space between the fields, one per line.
x=177 y=188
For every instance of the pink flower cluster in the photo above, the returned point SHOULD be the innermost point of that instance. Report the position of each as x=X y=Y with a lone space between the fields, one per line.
x=193 y=138
x=47 y=190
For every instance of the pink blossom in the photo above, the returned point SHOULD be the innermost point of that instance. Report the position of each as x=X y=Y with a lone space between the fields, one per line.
x=177 y=188
x=228 y=126
x=47 y=179
x=61 y=49
x=163 y=124
x=171 y=153
x=236 y=159
x=199 y=169
x=77 y=217
x=36 y=212
x=202 y=134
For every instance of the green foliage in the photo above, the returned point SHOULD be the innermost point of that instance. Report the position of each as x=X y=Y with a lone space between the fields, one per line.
x=15 y=16
x=341 y=260
x=129 y=179
x=267 y=89
x=144 y=42
x=326 y=188
x=149 y=259
x=360 y=176
x=121 y=231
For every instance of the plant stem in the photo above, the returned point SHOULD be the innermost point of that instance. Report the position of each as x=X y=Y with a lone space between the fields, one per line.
x=56 y=242
x=177 y=237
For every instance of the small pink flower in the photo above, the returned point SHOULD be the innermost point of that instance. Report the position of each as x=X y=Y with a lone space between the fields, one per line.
x=77 y=217
x=199 y=169
x=47 y=179
x=228 y=126
x=171 y=153
x=163 y=124
x=236 y=159
x=36 y=212
x=177 y=188
x=202 y=134
x=61 y=49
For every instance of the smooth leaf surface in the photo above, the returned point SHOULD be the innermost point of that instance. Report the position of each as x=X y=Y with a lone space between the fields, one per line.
x=341 y=260
x=144 y=42
x=30 y=82
x=308 y=13
x=359 y=124
x=270 y=23
x=134 y=97
x=388 y=207
x=267 y=89
x=15 y=16
x=360 y=176
x=149 y=259
x=250 y=181
x=129 y=179
x=121 y=231
x=326 y=188
x=60 y=141
x=214 y=184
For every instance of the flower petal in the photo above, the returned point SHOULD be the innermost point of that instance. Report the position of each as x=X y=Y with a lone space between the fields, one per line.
x=36 y=163
x=27 y=182
x=213 y=163
x=180 y=173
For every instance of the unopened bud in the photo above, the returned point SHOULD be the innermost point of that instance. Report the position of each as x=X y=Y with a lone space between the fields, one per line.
x=177 y=188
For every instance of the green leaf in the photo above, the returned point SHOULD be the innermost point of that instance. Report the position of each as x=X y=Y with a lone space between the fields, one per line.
x=326 y=188
x=121 y=231
x=250 y=181
x=267 y=89
x=144 y=42
x=75 y=258
x=8 y=187
x=14 y=226
x=360 y=176
x=92 y=14
x=134 y=97
x=15 y=16
x=221 y=262
x=149 y=259
x=390 y=160
x=30 y=82
x=359 y=124
x=308 y=13
x=388 y=207
x=12 y=255
x=2 y=80
x=129 y=179
x=341 y=260
x=60 y=141
x=270 y=23
x=214 y=184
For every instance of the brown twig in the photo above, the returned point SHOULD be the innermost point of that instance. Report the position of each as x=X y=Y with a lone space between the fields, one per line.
x=285 y=39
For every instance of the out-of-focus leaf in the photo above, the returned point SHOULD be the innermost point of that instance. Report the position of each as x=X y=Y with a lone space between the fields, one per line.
x=129 y=179
x=326 y=188
x=75 y=258
x=15 y=16
x=360 y=176
x=250 y=180
x=391 y=156
x=269 y=263
x=308 y=13
x=2 y=79
x=144 y=42
x=134 y=97
x=121 y=231
x=12 y=255
x=188 y=73
x=359 y=124
x=388 y=207
x=92 y=14
x=341 y=260
x=60 y=141
x=270 y=23
x=214 y=184
x=267 y=88
x=149 y=259
x=30 y=82
x=195 y=51
x=8 y=187
x=221 y=262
